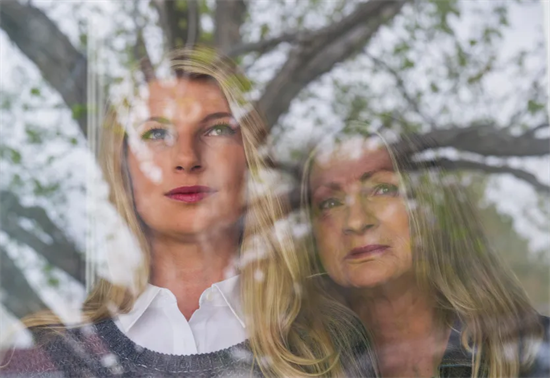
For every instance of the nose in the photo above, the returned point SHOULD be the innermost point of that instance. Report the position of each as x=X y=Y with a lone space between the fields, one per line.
x=360 y=218
x=187 y=154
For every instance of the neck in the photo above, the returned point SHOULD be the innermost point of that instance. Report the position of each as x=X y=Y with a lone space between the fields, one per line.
x=188 y=267
x=389 y=308
x=404 y=325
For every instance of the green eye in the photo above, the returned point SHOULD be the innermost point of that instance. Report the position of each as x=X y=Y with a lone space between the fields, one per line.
x=220 y=130
x=155 y=134
x=386 y=190
x=329 y=204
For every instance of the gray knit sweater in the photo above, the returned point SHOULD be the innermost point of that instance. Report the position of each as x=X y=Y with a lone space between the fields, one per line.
x=102 y=350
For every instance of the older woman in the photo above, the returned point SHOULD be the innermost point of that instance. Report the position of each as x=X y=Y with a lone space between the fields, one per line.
x=404 y=249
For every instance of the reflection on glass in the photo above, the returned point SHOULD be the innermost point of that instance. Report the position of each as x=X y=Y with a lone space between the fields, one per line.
x=403 y=247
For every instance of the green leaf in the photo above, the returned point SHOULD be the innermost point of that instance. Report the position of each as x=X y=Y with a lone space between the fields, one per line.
x=203 y=7
x=207 y=37
x=502 y=13
x=52 y=281
x=401 y=47
x=434 y=87
x=78 y=110
x=17 y=181
x=264 y=30
x=44 y=190
x=387 y=119
x=407 y=63
x=181 y=5
x=33 y=136
x=15 y=156
x=490 y=33
x=534 y=107
x=83 y=39
x=35 y=91
x=461 y=55
x=48 y=268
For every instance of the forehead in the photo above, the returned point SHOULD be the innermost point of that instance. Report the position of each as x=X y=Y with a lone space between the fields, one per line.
x=348 y=160
x=179 y=98
x=168 y=90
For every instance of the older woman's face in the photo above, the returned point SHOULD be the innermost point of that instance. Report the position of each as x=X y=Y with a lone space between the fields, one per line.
x=186 y=159
x=360 y=219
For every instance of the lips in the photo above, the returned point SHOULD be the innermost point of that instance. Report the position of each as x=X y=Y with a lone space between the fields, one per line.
x=190 y=194
x=366 y=251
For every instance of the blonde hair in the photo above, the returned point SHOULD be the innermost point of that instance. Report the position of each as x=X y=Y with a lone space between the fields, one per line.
x=294 y=328
x=453 y=259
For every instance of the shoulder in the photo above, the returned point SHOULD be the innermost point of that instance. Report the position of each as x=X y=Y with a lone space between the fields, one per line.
x=541 y=364
x=25 y=362
x=543 y=355
x=545 y=321
x=55 y=351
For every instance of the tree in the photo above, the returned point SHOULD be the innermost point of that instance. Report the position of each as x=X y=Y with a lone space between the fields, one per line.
x=398 y=65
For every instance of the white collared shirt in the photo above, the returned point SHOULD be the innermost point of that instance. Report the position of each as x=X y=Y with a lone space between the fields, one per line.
x=156 y=323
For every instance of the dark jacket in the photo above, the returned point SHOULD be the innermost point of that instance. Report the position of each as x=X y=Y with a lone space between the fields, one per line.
x=457 y=361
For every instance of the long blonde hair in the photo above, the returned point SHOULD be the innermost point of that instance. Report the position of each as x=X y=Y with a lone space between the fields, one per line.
x=453 y=259
x=294 y=328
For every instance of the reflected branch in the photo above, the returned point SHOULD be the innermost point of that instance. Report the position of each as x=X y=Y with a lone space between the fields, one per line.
x=319 y=51
x=17 y=294
x=468 y=165
x=229 y=17
x=61 y=64
x=61 y=252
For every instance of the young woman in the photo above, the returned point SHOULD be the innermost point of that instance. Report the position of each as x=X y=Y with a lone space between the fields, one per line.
x=220 y=288
x=404 y=249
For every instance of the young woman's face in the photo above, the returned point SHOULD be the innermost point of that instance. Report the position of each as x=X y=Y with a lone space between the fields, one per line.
x=186 y=159
x=360 y=219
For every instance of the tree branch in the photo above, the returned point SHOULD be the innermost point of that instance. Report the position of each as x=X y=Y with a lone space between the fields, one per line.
x=401 y=85
x=228 y=18
x=17 y=294
x=264 y=45
x=485 y=140
x=180 y=21
x=141 y=53
x=61 y=253
x=60 y=63
x=531 y=132
x=469 y=165
x=321 y=50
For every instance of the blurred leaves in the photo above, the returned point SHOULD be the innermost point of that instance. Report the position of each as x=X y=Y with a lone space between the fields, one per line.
x=535 y=107
x=437 y=73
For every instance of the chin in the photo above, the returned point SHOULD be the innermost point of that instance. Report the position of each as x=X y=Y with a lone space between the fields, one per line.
x=190 y=224
x=367 y=277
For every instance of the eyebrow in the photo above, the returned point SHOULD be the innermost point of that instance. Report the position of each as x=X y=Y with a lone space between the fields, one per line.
x=162 y=120
x=364 y=177
x=214 y=116
x=367 y=175
x=206 y=119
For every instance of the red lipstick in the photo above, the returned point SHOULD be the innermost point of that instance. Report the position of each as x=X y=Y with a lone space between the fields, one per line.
x=366 y=251
x=190 y=194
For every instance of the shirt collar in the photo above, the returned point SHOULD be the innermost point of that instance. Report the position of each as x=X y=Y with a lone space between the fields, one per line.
x=143 y=302
x=228 y=290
